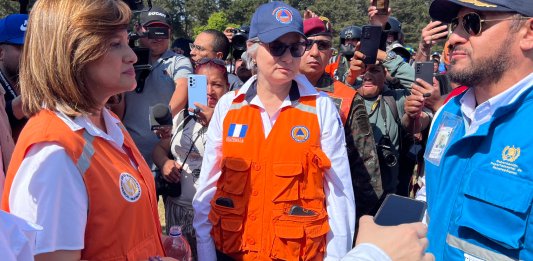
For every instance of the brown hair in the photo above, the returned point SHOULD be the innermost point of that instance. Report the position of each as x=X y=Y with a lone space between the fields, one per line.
x=63 y=37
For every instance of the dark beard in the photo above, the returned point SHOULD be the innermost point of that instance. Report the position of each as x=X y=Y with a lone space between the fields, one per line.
x=485 y=70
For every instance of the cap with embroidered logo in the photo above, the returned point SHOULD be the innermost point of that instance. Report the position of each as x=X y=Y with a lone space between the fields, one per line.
x=156 y=15
x=13 y=29
x=273 y=20
x=446 y=10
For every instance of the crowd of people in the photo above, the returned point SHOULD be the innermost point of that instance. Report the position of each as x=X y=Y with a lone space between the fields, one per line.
x=293 y=152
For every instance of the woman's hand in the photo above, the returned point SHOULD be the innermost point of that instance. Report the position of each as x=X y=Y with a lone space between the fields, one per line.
x=171 y=171
x=204 y=114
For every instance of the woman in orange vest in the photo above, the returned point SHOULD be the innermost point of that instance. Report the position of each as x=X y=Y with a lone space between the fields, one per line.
x=275 y=181
x=75 y=170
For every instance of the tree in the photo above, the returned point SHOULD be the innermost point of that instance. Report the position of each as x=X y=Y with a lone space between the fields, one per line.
x=217 y=21
x=8 y=7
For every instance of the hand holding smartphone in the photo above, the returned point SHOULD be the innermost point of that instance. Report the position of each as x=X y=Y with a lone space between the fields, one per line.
x=196 y=89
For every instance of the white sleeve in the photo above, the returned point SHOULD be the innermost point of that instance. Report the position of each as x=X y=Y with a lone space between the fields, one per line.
x=17 y=237
x=366 y=252
x=340 y=201
x=48 y=190
x=209 y=175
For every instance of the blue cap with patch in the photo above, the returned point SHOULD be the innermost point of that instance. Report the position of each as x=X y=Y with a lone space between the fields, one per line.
x=273 y=20
x=13 y=29
x=446 y=10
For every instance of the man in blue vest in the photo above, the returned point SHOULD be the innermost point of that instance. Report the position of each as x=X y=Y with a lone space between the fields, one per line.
x=479 y=175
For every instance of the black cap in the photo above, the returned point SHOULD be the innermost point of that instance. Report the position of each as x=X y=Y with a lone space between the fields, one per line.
x=446 y=10
x=155 y=15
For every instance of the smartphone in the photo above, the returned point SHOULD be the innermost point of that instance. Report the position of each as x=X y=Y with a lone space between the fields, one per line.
x=370 y=40
x=197 y=89
x=382 y=6
x=424 y=71
x=397 y=210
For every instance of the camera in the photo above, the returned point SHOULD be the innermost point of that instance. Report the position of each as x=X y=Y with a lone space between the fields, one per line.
x=386 y=152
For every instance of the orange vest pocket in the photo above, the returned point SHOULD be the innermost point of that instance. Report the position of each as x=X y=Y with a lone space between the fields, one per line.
x=286 y=184
x=227 y=233
x=300 y=238
x=235 y=175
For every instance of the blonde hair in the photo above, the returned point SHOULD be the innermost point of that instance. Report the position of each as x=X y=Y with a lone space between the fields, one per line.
x=62 y=38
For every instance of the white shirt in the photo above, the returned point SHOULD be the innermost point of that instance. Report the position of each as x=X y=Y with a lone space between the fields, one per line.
x=340 y=203
x=476 y=116
x=17 y=237
x=48 y=189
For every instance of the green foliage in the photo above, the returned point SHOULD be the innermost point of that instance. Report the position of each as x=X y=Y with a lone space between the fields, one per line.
x=8 y=7
x=217 y=21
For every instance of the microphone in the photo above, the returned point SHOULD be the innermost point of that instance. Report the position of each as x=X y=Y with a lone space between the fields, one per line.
x=160 y=116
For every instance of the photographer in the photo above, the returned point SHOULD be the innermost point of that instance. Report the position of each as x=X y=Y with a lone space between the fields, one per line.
x=156 y=85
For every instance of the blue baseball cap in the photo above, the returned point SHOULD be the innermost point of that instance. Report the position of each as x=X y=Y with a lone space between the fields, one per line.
x=273 y=20
x=446 y=10
x=13 y=29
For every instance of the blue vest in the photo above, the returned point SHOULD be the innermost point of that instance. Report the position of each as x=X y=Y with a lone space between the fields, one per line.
x=480 y=186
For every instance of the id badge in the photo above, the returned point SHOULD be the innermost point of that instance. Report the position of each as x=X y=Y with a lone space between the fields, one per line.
x=447 y=129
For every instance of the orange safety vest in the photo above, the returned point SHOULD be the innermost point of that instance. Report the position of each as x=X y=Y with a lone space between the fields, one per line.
x=270 y=200
x=122 y=218
x=342 y=96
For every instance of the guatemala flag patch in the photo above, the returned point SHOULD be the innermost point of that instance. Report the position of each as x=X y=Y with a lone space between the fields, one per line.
x=237 y=130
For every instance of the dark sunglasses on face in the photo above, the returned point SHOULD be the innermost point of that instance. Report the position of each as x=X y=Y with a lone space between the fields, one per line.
x=473 y=23
x=278 y=49
x=322 y=45
x=211 y=60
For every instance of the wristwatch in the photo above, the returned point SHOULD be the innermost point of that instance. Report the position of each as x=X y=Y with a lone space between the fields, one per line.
x=390 y=56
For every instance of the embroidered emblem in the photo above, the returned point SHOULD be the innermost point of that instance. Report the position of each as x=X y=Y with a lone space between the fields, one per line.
x=510 y=153
x=300 y=133
x=237 y=132
x=478 y=3
x=283 y=15
x=129 y=187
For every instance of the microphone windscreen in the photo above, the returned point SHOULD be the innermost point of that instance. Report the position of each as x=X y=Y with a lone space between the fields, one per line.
x=162 y=114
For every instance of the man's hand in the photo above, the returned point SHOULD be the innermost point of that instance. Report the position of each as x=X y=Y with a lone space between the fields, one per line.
x=204 y=114
x=164 y=132
x=432 y=92
x=228 y=32
x=171 y=171
x=375 y=19
x=357 y=66
x=433 y=33
x=309 y=14
x=404 y=242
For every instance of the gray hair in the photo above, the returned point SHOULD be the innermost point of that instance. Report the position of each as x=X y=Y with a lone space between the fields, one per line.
x=251 y=51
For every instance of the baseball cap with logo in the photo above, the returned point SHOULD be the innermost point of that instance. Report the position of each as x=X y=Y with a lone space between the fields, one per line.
x=316 y=26
x=13 y=29
x=273 y=20
x=446 y=10
x=156 y=15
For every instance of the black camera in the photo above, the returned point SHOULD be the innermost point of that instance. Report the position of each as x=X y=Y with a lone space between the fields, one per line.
x=240 y=36
x=386 y=152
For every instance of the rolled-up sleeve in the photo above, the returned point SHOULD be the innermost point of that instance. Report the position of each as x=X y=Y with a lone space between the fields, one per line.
x=340 y=201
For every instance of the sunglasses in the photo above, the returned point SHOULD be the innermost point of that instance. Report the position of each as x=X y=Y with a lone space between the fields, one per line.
x=323 y=45
x=473 y=23
x=211 y=60
x=278 y=49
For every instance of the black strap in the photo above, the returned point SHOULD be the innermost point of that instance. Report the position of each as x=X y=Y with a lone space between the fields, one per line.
x=200 y=132
x=391 y=102
x=7 y=86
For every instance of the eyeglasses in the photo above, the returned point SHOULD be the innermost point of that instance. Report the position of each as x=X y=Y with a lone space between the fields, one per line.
x=278 y=49
x=197 y=47
x=472 y=23
x=322 y=45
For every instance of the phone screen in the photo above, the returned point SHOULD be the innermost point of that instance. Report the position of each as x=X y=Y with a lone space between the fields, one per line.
x=397 y=210
x=197 y=89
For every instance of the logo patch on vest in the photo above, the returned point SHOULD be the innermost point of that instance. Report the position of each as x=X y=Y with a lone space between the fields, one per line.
x=129 y=187
x=509 y=155
x=237 y=132
x=300 y=133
